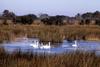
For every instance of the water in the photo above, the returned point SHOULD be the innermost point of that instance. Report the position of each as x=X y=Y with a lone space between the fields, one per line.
x=24 y=46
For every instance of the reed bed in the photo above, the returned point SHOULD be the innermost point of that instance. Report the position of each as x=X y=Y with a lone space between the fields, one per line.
x=49 y=33
x=76 y=59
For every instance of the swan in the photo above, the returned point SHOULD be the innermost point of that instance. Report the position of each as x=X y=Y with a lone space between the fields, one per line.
x=35 y=44
x=47 y=46
x=75 y=44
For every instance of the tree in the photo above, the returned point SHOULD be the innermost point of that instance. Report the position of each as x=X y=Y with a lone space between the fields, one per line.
x=78 y=16
x=43 y=16
x=8 y=14
x=32 y=16
x=54 y=20
x=26 y=19
x=96 y=14
x=5 y=13
x=87 y=15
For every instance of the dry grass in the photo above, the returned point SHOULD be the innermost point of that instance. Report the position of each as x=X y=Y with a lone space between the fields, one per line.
x=49 y=33
x=28 y=59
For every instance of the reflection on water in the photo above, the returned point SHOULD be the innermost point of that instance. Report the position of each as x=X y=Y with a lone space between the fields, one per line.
x=24 y=46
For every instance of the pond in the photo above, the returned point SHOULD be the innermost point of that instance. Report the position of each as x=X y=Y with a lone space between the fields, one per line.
x=25 y=45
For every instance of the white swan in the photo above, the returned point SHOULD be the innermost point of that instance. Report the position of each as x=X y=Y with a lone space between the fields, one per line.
x=75 y=44
x=47 y=46
x=35 y=44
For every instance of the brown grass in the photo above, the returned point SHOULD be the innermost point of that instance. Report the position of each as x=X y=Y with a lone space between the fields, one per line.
x=49 y=33
x=28 y=59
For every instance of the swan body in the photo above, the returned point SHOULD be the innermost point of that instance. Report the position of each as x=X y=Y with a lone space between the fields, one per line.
x=35 y=44
x=75 y=44
x=47 y=46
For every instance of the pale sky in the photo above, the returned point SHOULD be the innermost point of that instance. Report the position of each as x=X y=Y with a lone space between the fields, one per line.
x=51 y=7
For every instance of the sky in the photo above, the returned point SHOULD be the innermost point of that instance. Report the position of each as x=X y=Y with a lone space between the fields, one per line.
x=51 y=7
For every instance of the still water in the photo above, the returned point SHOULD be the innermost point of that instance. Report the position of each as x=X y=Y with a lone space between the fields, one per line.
x=24 y=46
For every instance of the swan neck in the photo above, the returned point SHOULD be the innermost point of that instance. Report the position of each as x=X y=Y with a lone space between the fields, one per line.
x=49 y=43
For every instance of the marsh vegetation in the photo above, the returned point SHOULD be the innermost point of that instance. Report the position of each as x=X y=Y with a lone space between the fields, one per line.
x=49 y=28
x=50 y=33
x=76 y=59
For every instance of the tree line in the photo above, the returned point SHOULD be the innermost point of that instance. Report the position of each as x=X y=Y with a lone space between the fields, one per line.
x=81 y=19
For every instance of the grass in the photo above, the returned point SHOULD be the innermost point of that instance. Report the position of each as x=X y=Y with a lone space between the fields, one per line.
x=77 y=59
x=49 y=33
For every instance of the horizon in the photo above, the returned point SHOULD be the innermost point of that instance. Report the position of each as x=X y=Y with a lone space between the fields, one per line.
x=50 y=7
x=48 y=14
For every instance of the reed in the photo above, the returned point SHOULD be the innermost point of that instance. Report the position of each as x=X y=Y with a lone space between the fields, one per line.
x=76 y=59
x=49 y=33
